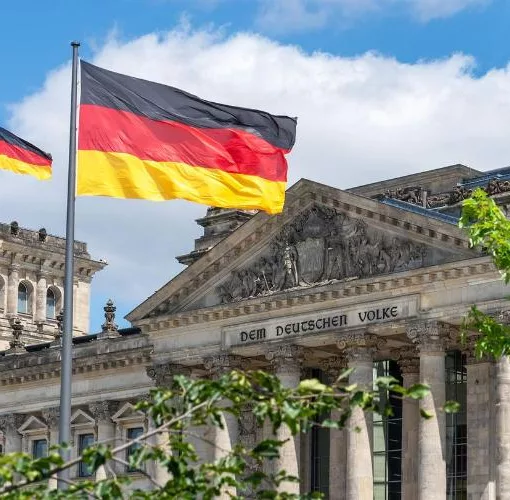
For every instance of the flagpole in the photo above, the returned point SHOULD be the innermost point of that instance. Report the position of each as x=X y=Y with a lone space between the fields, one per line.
x=66 y=358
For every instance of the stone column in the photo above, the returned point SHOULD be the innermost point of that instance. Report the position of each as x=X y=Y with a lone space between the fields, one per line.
x=359 y=477
x=162 y=375
x=503 y=428
x=52 y=418
x=12 y=290
x=409 y=363
x=102 y=412
x=9 y=425
x=337 y=437
x=286 y=361
x=432 y=431
x=224 y=439
x=480 y=420
x=40 y=299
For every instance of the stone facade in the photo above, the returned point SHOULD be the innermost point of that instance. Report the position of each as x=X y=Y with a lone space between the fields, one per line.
x=340 y=278
x=32 y=283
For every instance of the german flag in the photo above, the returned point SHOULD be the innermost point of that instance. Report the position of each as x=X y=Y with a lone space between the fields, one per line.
x=140 y=139
x=21 y=157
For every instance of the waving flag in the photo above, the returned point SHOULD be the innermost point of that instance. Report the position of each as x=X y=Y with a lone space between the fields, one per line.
x=140 y=139
x=21 y=157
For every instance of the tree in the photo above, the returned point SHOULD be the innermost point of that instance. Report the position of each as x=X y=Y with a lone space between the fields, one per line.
x=488 y=228
x=177 y=412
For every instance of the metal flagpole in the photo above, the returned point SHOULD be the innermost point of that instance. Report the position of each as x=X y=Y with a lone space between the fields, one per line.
x=66 y=369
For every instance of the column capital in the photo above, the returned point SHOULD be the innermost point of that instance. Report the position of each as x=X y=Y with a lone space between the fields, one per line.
x=333 y=366
x=285 y=356
x=408 y=359
x=163 y=373
x=429 y=336
x=11 y=422
x=360 y=347
x=220 y=364
x=103 y=411
x=51 y=416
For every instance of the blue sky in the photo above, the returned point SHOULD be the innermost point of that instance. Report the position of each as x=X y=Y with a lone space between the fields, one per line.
x=436 y=92
x=37 y=39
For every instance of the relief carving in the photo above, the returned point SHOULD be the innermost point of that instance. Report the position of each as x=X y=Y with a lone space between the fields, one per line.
x=320 y=246
x=414 y=194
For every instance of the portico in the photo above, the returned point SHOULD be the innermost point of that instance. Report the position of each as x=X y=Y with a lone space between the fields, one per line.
x=338 y=280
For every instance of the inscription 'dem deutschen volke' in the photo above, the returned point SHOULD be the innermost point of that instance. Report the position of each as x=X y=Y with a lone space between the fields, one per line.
x=316 y=323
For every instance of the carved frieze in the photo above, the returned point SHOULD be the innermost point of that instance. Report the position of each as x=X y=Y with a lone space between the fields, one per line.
x=414 y=195
x=320 y=246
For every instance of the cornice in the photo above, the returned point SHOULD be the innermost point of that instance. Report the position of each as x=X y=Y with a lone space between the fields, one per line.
x=45 y=364
x=322 y=294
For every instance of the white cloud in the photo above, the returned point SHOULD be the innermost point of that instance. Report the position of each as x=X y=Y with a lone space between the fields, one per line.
x=360 y=119
x=304 y=15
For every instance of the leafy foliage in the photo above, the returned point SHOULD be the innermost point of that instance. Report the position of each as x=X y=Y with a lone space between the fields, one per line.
x=177 y=413
x=488 y=228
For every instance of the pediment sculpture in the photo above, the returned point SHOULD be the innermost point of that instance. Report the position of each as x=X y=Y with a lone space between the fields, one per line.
x=320 y=246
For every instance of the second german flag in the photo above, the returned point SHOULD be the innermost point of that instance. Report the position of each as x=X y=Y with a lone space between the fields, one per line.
x=140 y=139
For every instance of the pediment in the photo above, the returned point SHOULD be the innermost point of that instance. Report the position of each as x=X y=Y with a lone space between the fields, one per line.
x=127 y=412
x=324 y=236
x=82 y=419
x=32 y=424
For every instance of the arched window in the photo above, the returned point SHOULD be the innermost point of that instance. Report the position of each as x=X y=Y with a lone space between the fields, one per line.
x=51 y=304
x=22 y=298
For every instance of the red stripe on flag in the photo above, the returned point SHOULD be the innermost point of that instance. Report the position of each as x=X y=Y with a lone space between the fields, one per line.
x=23 y=155
x=230 y=150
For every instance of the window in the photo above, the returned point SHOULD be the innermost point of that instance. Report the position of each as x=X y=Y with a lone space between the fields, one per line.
x=387 y=439
x=456 y=427
x=22 y=298
x=319 y=451
x=39 y=448
x=84 y=442
x=51 y=304
x=133 y=433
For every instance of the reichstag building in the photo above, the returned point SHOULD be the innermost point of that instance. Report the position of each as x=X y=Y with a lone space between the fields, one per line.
x=377 y=278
